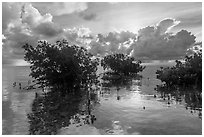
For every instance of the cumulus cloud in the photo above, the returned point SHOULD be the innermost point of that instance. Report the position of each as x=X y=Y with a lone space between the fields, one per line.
x=77 y=35
x=32 y=16
x=98 y=48
x=80 y=36
x=156 y=43
x=166 y=25
x=151 y=42
x=40 y=24
x=197 y=47
x=24 y=14
x=24 y=24
x=12 y=46
x=113 y=42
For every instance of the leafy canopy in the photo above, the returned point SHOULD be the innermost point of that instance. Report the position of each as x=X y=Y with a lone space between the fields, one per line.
x=187 y=73
x=61 y=65
x=122 y=64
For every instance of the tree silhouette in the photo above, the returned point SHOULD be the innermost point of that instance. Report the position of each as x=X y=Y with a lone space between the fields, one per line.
x=183 y=74
x=121 y=64
x=61 y=65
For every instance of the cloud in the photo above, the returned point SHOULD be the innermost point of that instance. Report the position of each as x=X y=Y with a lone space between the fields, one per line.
x=88 y=16
x=40 y=24
x=48 y=29
x=151 y=43
x=166 y=25
x=191 y=20
x=32 y=16
x=12 y=46
x=67 y=8
x=25 y=16
x=10 y=13
x=25 y=24
x=61 y=8
x=98 y=48
x=80 y=36
x=156 y=43
x=113 y=42
x=113 y=2
x=197 y=47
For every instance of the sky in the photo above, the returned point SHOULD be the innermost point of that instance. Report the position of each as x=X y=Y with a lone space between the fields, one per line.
x=146 y=31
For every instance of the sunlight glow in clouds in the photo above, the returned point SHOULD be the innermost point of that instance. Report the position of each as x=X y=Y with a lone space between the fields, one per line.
x=24 y=23
x=167 y=24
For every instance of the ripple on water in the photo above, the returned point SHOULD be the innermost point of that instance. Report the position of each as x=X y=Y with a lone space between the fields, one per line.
x=5 y=94
x=129 y=110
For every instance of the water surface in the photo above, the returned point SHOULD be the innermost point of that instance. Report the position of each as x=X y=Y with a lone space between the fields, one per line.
x=131 y=109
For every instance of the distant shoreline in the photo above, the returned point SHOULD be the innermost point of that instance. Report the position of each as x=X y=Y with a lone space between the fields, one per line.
x=143 y=64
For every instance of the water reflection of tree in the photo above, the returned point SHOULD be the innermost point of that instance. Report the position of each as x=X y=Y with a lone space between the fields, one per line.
x=50 y=111
x=118 y=81
x=69 y=70
x=191 y=96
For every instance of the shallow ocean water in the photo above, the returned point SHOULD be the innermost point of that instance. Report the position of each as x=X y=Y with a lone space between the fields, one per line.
x=137 y=111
